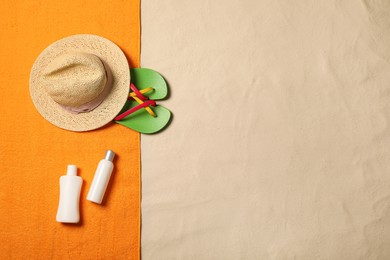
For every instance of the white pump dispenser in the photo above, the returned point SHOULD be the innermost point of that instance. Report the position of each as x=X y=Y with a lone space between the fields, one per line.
x=70 y=187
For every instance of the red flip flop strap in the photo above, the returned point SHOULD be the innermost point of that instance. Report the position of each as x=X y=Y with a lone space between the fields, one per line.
x=132 y=110
x=136 y=91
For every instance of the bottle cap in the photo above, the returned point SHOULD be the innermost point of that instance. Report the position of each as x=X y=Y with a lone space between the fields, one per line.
x=72 y=170
x=109 y=155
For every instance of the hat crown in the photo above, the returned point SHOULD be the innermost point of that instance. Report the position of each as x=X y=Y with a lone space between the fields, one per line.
x=74 y=79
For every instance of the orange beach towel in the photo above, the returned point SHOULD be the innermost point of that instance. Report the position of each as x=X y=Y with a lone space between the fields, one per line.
x=34 y=153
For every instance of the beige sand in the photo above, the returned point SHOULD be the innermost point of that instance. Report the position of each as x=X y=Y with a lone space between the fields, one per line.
x=280 y=143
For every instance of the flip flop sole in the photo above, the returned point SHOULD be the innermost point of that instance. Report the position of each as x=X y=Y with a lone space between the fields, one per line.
x=143 y=78
x=142 y=122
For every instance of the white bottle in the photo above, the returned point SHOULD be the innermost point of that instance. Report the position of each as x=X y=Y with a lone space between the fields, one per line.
x=101 y=178
x=70 y=187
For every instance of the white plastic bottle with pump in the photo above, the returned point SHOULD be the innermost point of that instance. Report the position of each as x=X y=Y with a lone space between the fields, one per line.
x=101 y=178
x=70 y=187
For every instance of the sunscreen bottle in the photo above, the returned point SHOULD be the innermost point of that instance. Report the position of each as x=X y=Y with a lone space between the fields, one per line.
x=101 y=178
x=70 y=187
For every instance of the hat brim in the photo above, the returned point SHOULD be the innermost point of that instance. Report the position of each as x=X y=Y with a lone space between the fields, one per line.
x=109 y=53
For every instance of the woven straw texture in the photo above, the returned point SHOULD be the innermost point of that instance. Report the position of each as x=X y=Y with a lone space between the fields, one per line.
x=110 y=54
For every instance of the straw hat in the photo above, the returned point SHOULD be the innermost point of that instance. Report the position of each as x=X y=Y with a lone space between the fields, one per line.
x=80 y=82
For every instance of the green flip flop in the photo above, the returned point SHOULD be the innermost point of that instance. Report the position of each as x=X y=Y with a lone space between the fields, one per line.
x=141 y=112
